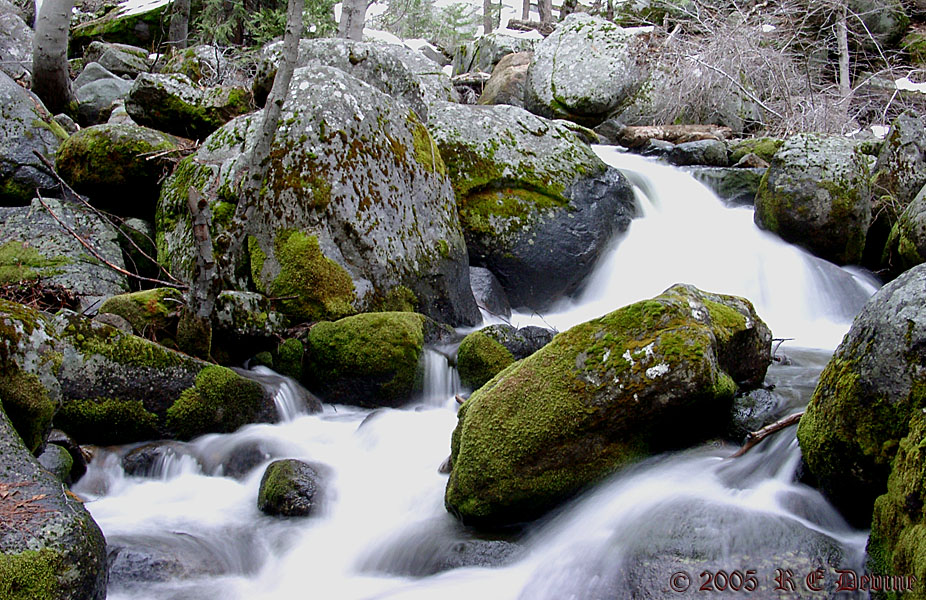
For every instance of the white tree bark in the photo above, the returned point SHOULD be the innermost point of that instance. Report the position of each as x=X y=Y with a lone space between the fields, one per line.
x=51 y=80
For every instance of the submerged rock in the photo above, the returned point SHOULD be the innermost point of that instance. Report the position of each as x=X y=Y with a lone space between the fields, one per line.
x=370 y=359
x=50 y=547
x=348 y=188
x=537 y=206
x=289 y=488
x=816 y=194
x=862 y=405
x=650 y=376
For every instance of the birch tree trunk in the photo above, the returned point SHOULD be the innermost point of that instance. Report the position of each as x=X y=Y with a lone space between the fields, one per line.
x=51 y=81
x=353 y=13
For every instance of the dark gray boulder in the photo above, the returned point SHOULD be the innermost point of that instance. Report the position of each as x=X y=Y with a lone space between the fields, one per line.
x=152 y=459
x=537 y=205
x=57 y=461
x=289 y=488
x=50 y=547
x=862 y=405
x=97 y=90
x=121 y=59
x=488 y=291
x=736 y=186
x=354 y=182
x=25 y=126
x=816 y=194
x=711 y=153
x=520 y=342
x=571 y=80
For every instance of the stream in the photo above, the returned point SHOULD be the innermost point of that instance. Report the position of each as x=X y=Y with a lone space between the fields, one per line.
x=188 y=528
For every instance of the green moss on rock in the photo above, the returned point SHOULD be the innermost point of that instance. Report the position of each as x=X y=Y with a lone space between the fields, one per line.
x=20 y=262
x=28 y=405
x=370 y=359
x=220 y=402
x=764 y=147
x=289 y=358
x=480 y=358
x=151 y=312
x=30 y=575
x=106 y=421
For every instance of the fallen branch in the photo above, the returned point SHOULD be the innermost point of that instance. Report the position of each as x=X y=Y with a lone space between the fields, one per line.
x=757 y=436
x=98 y=213
x=97 y=255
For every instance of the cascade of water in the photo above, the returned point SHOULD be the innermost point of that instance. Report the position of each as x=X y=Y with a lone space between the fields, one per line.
x=290 y=398
x=440 y=382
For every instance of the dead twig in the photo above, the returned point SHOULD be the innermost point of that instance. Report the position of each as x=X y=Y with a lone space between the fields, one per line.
x=757 y=436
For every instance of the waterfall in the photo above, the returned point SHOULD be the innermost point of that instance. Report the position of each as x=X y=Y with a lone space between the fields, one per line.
x=382 y=531
x=290 y=398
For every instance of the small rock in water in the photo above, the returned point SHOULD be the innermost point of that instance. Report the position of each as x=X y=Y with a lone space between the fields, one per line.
x=151 y=460
x=289 y=488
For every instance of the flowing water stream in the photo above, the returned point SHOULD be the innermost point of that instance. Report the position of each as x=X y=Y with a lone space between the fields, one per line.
x=190 y=529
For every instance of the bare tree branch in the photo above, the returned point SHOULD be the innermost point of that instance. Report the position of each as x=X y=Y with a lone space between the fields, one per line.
x=757 y=436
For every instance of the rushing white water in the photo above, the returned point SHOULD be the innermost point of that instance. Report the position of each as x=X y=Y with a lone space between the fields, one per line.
x=687 y=235
x=190 y=529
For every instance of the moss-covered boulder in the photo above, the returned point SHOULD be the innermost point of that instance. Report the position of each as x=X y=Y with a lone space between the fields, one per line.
x=35 y=248
x=152 y=313
x=25 y=126
x=121 y=59
x=289 y=488
x=480 y=358
x=906 y=244
x=866 y=394
x=356 y=202
x=733 y=185
x=174 y=104
x=15 y=43
x=135 y=23
x=897 y=543
x=538 y=207
x=816 y=194
x=221 y=401
x=370 y=359
x=112 y=165
x=653 y=375
x=571 y=78
x=763 y=147
x=50 y=547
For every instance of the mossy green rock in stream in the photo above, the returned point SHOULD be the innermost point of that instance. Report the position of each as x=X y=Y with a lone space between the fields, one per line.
x=906 y=244
x=174 y=104
x=289 y=488
x=585 y=70
x=50 y=547
x=816 y=194
x=25 y=126
x=108 y=164
x=138 y=25
x=650 y=376
x=152 y=313
x=861 y=407
x=538 y=207
x=220 y=402
x=897 y=543
x=370 y=359
x=355 y=203
x=34 y=247
x=763 y=147
x=480 y=358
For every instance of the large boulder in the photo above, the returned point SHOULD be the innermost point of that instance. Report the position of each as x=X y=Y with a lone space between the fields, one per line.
x=906 y=244
x=506 y=85
x=15 y=44
x=485 y=353
x=816 y=194
x=898 y=525
x=650 y=376
x=538 y=207
x=151 y=313
x=130 y=22
x=97 y=90
x=572 y=79
x=220 y=401
x=370 y=359
x=120 y=59
x=862 y=404
x=388 y=69
x=488 y=51
x=25 y=126
x=50 y=547
x=733 y=185
x=35 y=247
x=349 y=186
x=113 y=165
x=174 y=104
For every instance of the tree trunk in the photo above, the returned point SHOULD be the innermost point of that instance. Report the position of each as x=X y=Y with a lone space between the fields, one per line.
x=842 y=41
x=211 y=274
x=569 y=7
x=51 y=80
x=525 y=10
x=546 y=11
x=179 y=24
x=353 y=13
x=487 y=21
